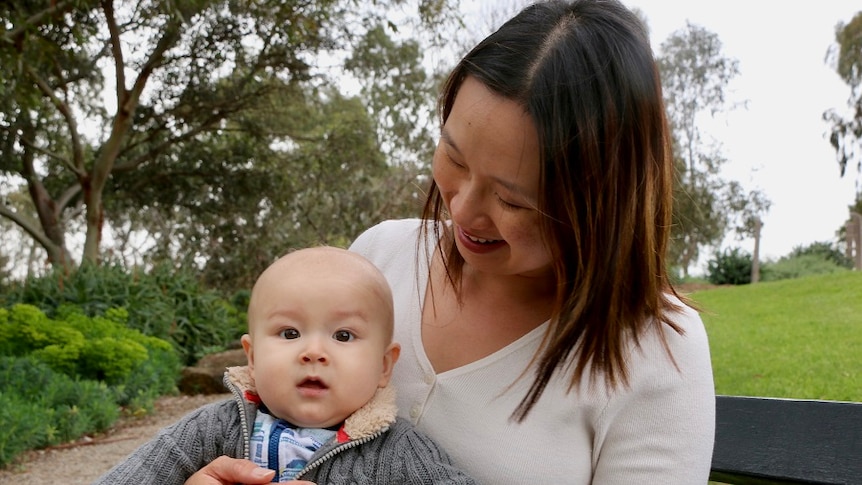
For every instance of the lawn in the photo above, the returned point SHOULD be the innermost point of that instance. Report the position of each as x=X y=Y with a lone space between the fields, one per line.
x=798 y=338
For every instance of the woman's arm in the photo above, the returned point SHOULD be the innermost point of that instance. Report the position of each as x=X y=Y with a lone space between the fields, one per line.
x=663 y=429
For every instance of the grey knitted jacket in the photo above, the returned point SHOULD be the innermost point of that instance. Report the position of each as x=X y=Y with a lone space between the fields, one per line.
x=372 y=447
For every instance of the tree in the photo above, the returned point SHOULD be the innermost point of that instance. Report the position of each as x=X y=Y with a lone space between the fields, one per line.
x=182 y=73
x=746 y=211
x=695 y=75
x=231 y=220
x=846 y=58
x=333 y=179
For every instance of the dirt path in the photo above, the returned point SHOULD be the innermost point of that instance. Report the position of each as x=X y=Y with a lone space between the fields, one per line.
x=81 y=462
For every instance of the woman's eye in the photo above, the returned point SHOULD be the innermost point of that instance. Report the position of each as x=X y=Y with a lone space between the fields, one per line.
x=507 y=205
x=289 y=333
x=343 y=336
x=453 y=162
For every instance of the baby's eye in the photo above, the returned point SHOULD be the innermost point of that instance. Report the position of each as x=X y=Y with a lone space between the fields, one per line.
x=343 y=336
x=289 y=333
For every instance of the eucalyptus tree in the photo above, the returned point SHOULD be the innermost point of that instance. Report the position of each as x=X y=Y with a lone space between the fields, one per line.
x=103 y=100
x=845 y=56
x=695 y=76
x=233 y=201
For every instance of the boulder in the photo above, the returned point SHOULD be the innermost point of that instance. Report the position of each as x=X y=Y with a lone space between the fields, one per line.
x=205 y=377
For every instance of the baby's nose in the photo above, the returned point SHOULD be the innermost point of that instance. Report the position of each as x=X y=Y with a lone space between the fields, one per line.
x=314 y=352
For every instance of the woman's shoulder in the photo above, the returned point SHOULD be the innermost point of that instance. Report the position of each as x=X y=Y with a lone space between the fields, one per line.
x=687 y=319
x=388 y=238
x=678 y=345
x=387 y=230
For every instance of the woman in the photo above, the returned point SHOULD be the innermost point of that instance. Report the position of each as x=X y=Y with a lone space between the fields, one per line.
x=542 y=339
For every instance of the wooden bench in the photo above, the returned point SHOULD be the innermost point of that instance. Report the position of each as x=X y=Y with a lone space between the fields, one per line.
x=781 y=441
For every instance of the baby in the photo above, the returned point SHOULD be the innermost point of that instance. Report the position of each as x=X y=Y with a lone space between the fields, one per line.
x=313 y=403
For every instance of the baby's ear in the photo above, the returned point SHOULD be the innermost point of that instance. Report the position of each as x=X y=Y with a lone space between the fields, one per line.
x=249 y=351
x=390 y=357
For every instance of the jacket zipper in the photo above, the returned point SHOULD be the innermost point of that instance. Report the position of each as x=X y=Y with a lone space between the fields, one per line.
x=240 y=404
x=338 y=449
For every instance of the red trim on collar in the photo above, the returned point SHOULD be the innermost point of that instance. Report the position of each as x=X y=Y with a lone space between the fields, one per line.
x=252 y=397
x=342 y=435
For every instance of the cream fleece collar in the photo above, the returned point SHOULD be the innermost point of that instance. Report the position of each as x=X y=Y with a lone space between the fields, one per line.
x=374 y=416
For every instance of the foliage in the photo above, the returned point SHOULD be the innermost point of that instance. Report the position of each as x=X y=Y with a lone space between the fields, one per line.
x=206 y=101
x=795 y=338
x=40 y=407
x=846 y=58
x=162 y=303
x=94 y=348
x=825 y=250
x=816 y=258
x=729 y=267
x=400 y=91
x=322 y=191
x=65 y=376
x=797 y=267
x=695 y=74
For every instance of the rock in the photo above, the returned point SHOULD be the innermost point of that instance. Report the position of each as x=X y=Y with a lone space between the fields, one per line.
x=206 y=376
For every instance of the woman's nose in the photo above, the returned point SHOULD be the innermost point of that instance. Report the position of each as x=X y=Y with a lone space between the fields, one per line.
x=467 y=206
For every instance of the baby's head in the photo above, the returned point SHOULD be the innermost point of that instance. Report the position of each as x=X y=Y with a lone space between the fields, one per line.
x=319 y=340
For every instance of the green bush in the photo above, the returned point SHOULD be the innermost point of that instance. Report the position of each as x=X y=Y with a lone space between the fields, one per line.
x=40 y=407
x=74 y=373
x=76 y=348
x=123 y=355
x=165 y=303
x=798 y=266
x=730 y=267
x=824 y=250
x=96 y=348
x=22 y=426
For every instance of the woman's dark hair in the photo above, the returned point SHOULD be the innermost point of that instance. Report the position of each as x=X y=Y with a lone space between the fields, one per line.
x=585 y=73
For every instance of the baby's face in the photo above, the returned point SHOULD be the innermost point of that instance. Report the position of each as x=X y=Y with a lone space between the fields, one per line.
x=318 y=346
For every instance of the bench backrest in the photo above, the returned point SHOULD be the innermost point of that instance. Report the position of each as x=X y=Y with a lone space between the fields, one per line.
x=773 y=441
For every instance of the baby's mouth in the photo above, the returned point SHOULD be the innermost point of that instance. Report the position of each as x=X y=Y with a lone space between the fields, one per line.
x=313 y=383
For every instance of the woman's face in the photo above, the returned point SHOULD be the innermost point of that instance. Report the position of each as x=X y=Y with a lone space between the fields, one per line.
x=487 y=170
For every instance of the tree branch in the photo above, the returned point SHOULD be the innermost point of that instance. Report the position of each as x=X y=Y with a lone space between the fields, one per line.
x=151 y=153
x=77 y=166
x=37 y=19
x=26 y=223
x=128 y=104
x=116 y=51
x=67 y=196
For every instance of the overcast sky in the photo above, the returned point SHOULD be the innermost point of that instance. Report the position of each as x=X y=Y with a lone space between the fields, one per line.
x=778 y=143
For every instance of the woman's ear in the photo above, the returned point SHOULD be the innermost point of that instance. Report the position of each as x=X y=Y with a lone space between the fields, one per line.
x=390 y=357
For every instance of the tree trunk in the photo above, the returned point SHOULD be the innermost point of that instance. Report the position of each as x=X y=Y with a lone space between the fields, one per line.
x=755 y=259
x=54 y=240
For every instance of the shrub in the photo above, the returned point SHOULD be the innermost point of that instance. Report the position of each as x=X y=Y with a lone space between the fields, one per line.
x=147 y=381
x=798 y=266
x=730 y=267
x=97 y=348
x=22 y=426
x=165 y=303
x=40 y=407
x=121 y=356
x=823 y=250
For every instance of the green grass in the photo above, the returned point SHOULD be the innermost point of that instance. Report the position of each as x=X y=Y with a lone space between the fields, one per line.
x=799 y=338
